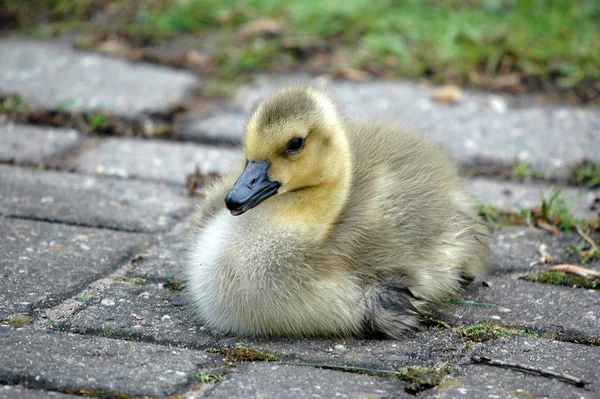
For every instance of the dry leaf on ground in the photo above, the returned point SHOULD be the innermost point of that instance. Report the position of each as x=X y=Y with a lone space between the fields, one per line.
x=545 y=256
x=447 y=94
x=258 y=28
x=351 y=74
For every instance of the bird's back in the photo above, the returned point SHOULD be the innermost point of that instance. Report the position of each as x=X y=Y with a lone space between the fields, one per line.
x=406 y=201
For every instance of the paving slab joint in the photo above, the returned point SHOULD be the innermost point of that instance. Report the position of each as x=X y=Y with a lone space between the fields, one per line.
x=54 y=221
x=98 y=122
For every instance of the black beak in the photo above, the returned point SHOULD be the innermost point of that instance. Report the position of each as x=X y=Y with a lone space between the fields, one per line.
x=251 y=188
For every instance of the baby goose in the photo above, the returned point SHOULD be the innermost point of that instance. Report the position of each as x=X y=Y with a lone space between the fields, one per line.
x=332 y=228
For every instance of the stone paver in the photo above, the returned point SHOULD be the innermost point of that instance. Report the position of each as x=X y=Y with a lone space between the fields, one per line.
x=570 y=312
x=215 y=128
x=284 y=381
x=481 y=129
x=137 y=334
x=53 y=75
x=27 y=144
x=154 y=159
x=483 y=381
x=17 y=392
x=75 y=363
x=42 y=263
x=514 y=250
x=506 y=194
x=429 y=347
x=148 y=312
x=156 y=314
x=91 y=201
x=166 y=261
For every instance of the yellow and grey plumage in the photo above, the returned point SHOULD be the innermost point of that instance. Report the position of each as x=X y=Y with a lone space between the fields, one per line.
x=358 y=231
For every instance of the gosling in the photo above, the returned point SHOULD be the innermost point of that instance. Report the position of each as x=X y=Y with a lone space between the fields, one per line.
x=332 y=228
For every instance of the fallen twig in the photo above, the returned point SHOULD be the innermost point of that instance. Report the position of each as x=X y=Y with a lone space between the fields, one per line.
x=522 y=367
x=576 y=270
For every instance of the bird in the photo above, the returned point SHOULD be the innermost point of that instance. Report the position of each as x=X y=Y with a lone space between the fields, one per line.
x=331 y=227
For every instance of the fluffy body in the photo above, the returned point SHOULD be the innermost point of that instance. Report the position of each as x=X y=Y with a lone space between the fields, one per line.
x=373 y=229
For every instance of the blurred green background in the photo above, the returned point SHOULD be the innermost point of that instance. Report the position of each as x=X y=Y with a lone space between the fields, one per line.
x=549 y=47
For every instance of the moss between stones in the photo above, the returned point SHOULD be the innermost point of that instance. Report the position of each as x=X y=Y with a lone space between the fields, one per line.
x=83 y=298
x=422 y=378
x=132 y=280
x=562 y=278
x=96 y=393
x=19 y=320
x=241 y=354
x=491 y=330
x=16 y=109
x=175 y=285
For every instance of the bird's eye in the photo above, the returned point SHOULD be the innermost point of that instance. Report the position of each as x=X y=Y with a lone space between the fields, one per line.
x=295 y=145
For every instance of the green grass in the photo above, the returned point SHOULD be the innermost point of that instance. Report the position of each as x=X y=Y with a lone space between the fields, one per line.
x=205 y=377
x=588 y=174
x=96 y=120
x=555 y=211
x=553 y=214
x=547 y=41
x=585 y=253
x=132 y=280
x=524 y=171
x=83 y=298
x=10 y=103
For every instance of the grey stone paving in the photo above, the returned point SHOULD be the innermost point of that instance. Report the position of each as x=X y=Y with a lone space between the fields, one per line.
x=53 y=75
x=283 y=381
x=26 y=144
x=149 y=312
x=76 y=363
x=215 y=128
x=481 y=129
x=156 y=314
x=429 y=347
x=154 y=160
x=91 y=201
x=136 y=334
x=172 y=162
x=165 y=262
x=42 y=263
x=168 y=317
x=482 y=381
x=566 y=311
x=514 y=250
